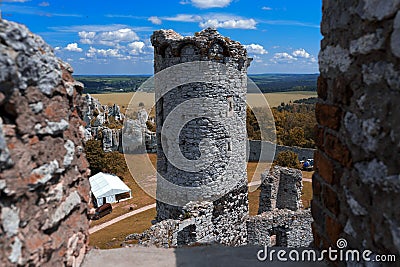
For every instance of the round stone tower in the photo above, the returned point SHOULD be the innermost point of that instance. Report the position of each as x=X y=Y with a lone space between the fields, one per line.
x=203 y=88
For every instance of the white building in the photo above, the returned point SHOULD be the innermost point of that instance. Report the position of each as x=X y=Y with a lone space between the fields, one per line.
x=107 y=188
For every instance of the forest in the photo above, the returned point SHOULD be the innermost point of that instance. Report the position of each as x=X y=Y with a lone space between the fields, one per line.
x=267 y=83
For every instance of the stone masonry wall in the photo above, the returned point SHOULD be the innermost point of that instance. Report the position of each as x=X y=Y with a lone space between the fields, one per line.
x=356 y=184
x=228 y=91
x=44 y=190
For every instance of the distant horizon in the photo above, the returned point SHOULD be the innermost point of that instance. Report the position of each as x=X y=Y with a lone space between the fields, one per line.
x=249 y=74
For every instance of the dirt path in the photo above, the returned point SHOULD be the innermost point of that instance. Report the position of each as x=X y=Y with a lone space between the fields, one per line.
x=120 y=218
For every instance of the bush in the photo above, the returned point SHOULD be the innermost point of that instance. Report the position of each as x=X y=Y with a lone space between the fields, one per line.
x=99 y=161
x=287 y=159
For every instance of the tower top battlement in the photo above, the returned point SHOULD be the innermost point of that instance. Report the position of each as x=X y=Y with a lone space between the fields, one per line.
x=171 y=48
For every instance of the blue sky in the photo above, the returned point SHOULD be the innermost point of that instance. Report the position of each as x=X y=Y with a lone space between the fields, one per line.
x=112 y=37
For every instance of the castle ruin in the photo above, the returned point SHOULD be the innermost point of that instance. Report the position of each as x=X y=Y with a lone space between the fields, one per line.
x=228 y=92
x=44 y=190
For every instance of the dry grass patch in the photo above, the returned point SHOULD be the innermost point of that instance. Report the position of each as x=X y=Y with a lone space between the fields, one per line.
x=113 y=235
x=306 y=194
x=307 y=175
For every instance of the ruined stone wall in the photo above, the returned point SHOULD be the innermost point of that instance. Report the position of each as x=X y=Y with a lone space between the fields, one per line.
x=356 y=185
x=228 y=91
x=44 y=190
x=281 y=221
x=254 y=150
x=193 y=226
x=280 y=189
x=290 y=228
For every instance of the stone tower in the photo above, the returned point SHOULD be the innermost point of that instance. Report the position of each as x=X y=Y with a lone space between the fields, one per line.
x=227 y=93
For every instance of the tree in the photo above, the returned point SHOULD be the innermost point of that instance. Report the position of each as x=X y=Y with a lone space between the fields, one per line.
x=252 y=126
x=95 y=155
x=287 y=159
x=99 y=161
x=296 y=137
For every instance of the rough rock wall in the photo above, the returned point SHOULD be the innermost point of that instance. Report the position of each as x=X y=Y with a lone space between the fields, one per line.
x=44 y=190
x=356 y=185
x=228 y=92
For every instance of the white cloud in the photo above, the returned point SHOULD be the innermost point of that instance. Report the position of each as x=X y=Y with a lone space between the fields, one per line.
x=44 y=4
x=207 y=3
x=255 y=49
x=257 y=59
x=15 y=1
x=87 y=37
x=216 y=20
x=109 y=38
x=283 y=57
x=289 y=23
x=185 y=18
x=229 y=24
x=136 y=48
x=301 y=53
x=98 y=28
x=73 y=47
x=121 y=35
x=266 y=8
x=155 y=20
x=93 y=52
x=57 y=48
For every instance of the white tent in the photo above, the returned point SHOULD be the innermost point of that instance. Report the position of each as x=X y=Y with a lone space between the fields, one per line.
x=108 y=188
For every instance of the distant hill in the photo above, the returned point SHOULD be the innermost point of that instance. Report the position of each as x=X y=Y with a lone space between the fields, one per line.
x=267 y=83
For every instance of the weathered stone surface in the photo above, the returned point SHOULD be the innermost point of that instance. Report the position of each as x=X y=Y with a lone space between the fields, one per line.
x=69 y=156
x=334 y=57
x=367 y=43
x=65 y=208
x=395 y=38
x=40 y=180
x=377 y=10
x=356 y=184
x=31 y=63
x=5 y=159
x=10 y=219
